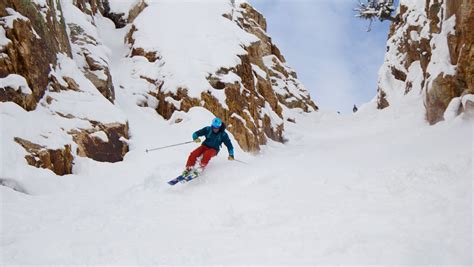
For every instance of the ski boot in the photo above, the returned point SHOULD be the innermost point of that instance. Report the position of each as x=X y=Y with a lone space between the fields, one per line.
x=196 y=172
x=193 y=173
x=186 y=173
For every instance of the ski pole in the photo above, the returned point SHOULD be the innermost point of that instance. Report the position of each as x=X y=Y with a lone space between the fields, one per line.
x=239 y=161
x=158 y=148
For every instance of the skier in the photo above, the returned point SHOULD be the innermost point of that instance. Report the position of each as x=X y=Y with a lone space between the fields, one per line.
x=354 y=109
x=215 y=136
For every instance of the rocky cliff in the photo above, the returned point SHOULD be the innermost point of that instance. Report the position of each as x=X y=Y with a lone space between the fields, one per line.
x=250 y=95
x=54 y=67
x=430 y=55
x=58 y=90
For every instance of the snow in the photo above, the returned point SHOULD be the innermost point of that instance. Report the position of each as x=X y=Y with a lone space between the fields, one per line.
x=414 y=36
x=365 y=189
x=13 y=15
x=466 y=98
x=175 y=103
x=230 y=78
x=167 y=28
x=259 y=71
x=41 y=3
x=44 y=8
x=37 y=127
x=275 y=120
x=16 y=82
x=4 y=41
x=241 y=119
x=120 y=6
x=92 y=45
x=452 y=110
x=415 y=76
x=250 y=117
x=440 y=60
x=74 y=15
x=282 y=85
x=87 y=103
x=101 y=135
x=413 y=5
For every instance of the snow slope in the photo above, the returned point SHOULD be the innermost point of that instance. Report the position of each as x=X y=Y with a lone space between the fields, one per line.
x=374 y=188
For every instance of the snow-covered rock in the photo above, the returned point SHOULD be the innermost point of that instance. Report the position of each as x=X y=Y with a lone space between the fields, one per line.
x=32 y=35
x=217 y=55
x=57 y=57
x=55 y=67
x=87 y=48
x=430 y=55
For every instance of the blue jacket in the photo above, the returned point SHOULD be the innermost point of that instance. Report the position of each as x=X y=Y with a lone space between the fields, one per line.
x=215 y=140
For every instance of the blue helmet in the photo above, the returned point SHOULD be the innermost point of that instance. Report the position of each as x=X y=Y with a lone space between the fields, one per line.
x=216 y=123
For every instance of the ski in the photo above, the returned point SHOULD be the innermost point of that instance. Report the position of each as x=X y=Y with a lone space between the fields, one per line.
x=176 y=180
x=191 y=177
x=183 y=179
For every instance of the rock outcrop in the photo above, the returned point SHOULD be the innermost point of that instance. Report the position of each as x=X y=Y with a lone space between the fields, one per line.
x=35 y=35
x=102 y=143
x=37 y=73
x=430 y=52
x=88 y=48
x=257 y=90
x=121 y=18
x=58 y=160
x=56 y=67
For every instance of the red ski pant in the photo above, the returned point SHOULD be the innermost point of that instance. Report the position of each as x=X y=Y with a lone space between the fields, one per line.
x=206 y=152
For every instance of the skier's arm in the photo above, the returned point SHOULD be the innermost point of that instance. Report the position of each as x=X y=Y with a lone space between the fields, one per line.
x=201 y=132
x=228 y=144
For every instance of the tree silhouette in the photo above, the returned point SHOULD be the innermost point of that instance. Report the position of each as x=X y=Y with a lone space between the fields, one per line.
x=375 y=9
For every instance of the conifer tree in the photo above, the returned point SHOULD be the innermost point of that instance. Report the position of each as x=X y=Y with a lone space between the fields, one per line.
x=375 y=9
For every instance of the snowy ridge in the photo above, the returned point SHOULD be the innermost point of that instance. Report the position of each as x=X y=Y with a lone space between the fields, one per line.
x=216 y=41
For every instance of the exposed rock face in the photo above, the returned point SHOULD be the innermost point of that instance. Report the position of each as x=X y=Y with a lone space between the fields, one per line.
x=266 y=81
x=35 y=75
x=85 y=46
x=121 y=19
x=54 y=64
x=254 y=106
x=35 y=35
x=430 y=51
x=58 y=160
x=103 y=142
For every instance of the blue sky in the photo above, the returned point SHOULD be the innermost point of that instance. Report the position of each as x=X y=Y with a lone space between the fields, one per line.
x=330 y=49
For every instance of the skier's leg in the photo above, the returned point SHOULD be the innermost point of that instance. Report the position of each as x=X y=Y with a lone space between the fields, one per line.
x=208 y=154
x=193 y=156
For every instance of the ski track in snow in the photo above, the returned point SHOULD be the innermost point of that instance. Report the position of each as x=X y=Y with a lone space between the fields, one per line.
x=370 y=188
